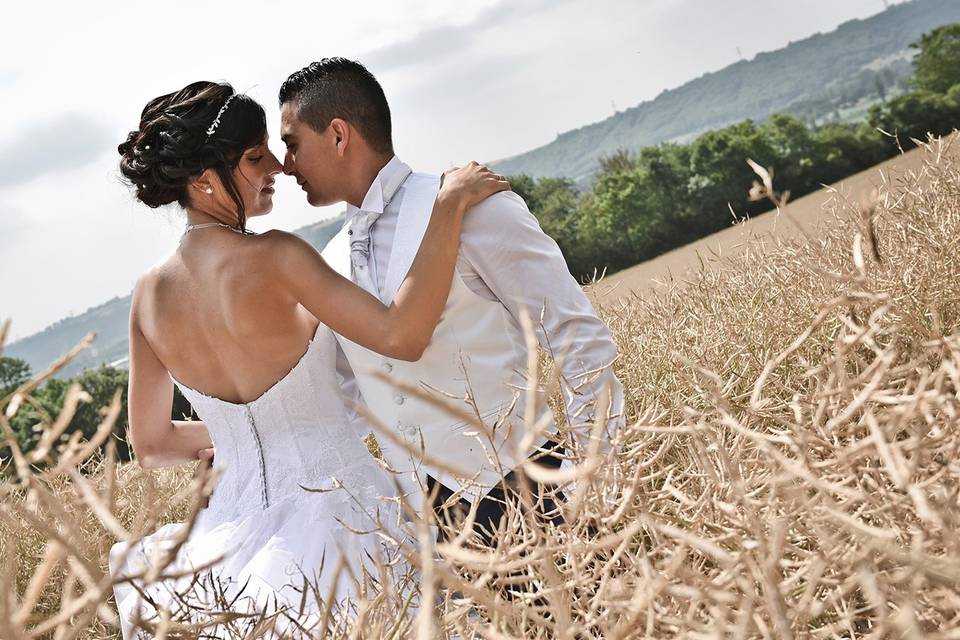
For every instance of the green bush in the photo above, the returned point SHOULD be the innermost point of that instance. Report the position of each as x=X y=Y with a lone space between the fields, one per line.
x=101 y=384
x=936 y=68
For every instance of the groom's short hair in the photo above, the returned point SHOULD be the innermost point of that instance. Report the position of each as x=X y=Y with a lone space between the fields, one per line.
x=340 y=88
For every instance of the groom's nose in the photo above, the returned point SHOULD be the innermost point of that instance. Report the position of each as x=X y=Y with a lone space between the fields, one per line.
x=288 y=164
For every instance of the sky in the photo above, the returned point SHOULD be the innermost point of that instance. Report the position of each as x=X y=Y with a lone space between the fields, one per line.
x=481 y=80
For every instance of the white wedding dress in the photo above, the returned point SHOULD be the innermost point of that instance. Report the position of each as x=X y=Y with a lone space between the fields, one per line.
x=271 y=531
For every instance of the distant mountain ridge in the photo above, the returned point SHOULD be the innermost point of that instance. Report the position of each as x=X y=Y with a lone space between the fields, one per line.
x=109 y=321
x=770 y=82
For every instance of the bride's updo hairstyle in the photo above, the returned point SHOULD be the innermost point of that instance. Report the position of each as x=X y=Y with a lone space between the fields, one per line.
x=172 y=144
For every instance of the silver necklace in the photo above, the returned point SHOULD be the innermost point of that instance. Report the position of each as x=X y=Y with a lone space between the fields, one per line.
x=204 y=225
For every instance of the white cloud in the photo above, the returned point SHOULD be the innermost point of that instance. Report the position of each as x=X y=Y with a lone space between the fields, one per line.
x=12 y=224
x=71 y=141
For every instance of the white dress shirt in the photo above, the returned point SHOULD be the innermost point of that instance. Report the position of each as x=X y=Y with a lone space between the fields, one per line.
x=506 y=256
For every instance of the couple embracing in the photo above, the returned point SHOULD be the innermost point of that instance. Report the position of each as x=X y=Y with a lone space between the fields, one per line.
x=282 y=351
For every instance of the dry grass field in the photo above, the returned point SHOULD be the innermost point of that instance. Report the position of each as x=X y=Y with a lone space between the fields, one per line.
x=790 y=467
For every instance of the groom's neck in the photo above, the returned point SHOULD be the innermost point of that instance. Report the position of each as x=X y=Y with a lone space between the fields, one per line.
x=366 y=173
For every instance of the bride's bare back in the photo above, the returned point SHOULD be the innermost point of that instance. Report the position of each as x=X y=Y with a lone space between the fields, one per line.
x=214 y=314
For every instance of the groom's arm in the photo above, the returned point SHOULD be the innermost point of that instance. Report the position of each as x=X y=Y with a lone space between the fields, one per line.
x=502 y=242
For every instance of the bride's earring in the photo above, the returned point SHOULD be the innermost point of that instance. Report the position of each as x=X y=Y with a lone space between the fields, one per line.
x=209 y=189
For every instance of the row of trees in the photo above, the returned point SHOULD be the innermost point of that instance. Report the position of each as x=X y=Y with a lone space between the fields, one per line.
x=663 y=197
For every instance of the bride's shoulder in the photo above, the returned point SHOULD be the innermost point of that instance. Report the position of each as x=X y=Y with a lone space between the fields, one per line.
x=276 y=242
x=156 y=275
x=276 y=236
x=152 y=286
x=282 y=250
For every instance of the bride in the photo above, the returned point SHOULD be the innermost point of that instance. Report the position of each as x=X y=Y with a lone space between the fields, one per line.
x=242 y=323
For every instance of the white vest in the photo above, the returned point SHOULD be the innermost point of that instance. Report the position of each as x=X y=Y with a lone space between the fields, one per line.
x=476 y=351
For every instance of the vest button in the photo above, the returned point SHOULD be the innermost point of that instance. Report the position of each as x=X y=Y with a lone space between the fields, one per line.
x=386 y=366
x=398 y=399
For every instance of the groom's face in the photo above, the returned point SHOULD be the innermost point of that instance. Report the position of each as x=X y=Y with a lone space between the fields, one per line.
x=311 y=157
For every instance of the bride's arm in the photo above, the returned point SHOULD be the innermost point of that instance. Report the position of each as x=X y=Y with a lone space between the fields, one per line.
x=157 y=440
x=402 y=330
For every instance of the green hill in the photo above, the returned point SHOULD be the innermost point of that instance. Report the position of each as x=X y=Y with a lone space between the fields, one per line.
x=109 y=322
x=825 y=76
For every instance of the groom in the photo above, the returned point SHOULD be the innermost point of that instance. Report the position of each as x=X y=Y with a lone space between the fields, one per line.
x=335 y=123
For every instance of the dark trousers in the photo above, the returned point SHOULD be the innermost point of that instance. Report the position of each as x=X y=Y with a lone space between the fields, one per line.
x=493 y=506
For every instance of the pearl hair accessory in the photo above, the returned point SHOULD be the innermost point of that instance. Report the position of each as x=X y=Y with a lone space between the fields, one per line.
x=216 y=121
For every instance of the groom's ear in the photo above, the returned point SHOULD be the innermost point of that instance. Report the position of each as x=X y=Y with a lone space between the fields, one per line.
x=341 y=132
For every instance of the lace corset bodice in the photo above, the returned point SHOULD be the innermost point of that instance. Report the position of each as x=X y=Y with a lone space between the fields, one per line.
x=296 y=434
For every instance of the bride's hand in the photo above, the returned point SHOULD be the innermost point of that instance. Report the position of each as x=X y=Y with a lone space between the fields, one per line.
x=467 y=186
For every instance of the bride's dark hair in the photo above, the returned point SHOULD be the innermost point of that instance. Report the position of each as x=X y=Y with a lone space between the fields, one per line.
x=171 y=146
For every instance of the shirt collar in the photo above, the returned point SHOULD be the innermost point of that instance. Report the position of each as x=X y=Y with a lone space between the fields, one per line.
x=383 y=188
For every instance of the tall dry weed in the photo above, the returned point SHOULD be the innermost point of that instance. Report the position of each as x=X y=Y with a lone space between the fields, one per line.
x=789 y=468
x=802 y=417
x=63 y=505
